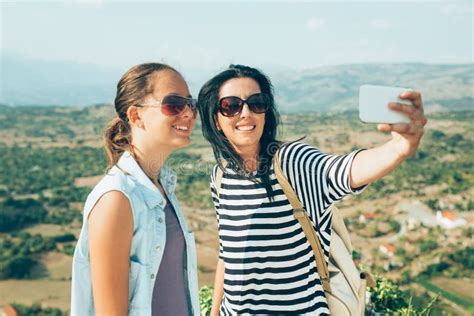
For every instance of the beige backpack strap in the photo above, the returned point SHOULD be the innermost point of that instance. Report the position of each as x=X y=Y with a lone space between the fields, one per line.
x=219 y=174
x=340 y=228
x=306 y=225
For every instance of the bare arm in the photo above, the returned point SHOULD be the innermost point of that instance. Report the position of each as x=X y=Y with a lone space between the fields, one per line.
x=372 y=164
x=218 y=288
x=110 y=235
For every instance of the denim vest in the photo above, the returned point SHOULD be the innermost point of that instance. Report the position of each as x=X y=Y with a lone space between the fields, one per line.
x=148 y=241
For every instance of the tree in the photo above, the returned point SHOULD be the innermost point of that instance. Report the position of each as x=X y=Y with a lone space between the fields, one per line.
x=437 y=135
x=15 y=214
x=387 y=298
x=427 y=245
x=18 y=267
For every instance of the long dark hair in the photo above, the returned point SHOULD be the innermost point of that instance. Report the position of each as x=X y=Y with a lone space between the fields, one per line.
x=208 y=101
x=132 y=88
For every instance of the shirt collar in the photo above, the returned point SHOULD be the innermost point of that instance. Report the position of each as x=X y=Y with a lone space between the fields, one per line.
x=152 y=195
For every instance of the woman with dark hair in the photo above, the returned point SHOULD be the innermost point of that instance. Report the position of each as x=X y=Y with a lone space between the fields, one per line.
x=135 y=254
x=266 y=265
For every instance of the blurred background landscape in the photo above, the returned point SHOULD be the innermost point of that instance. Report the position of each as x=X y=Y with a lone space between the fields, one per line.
x=414 y=228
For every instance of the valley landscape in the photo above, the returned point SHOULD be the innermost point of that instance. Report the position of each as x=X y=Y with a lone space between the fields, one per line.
x=414 y=227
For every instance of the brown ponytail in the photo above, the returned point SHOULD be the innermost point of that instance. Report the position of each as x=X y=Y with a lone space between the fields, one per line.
x=132 y=88
x=117 y=139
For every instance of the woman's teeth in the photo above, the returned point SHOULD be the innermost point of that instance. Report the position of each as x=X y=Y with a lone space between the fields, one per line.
x=180 y=128
x=246 y=128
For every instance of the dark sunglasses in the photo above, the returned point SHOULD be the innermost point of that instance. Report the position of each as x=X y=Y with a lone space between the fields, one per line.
x=172 y=105
x=231 y=106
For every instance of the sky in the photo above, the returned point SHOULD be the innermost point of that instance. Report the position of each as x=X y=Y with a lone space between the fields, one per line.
x=214 y=34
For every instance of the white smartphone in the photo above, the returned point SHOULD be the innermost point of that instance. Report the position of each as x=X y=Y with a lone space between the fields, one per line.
x=373 y=104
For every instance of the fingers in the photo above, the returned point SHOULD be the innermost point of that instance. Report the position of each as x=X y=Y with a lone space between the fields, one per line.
x=416 y=115
x=421 y=121
x=412 y=129
x=408 y=109
x=414 y=97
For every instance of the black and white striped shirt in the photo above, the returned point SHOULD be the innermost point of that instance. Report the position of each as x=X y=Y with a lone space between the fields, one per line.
x=269 y=264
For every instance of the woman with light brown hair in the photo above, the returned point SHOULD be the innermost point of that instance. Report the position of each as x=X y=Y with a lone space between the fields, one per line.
x=135 y=254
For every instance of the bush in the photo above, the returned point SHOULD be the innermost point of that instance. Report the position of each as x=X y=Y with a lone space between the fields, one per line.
x=16 y=214
x=17 y=267
x=67 y=237
x=433 y=204
x=63 y=216
x=63 y=196
x=395 y=225
x=405 y=277
x=37 y=310
x=437 y=135
x=435 y=269
x=464 y=256
x=205 y=300
x=69 y=249
x=387 y=298
x=356 y=255
x=427 y=245
x=16 y=254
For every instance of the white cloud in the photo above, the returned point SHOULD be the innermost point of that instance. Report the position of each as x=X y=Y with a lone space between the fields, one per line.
x=380 y=24
x=314 y=23
x=457 y=9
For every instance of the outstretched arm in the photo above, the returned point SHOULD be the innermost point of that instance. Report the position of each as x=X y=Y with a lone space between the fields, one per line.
x=373 y=164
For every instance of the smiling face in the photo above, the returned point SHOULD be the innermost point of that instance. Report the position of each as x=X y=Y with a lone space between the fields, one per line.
x=245 y=129
x=159 y=129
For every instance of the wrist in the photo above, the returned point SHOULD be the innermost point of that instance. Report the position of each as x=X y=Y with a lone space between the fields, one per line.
x=399 y=153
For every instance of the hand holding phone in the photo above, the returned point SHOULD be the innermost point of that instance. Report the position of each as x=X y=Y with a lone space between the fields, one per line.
x=373 y=104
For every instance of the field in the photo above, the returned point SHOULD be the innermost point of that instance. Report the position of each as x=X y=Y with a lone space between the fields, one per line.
x=65 y=160
x=461 y=287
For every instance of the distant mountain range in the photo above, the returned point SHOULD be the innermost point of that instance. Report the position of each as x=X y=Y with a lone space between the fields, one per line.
x=336 y=87
x=26 y=81
x=38 y=82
